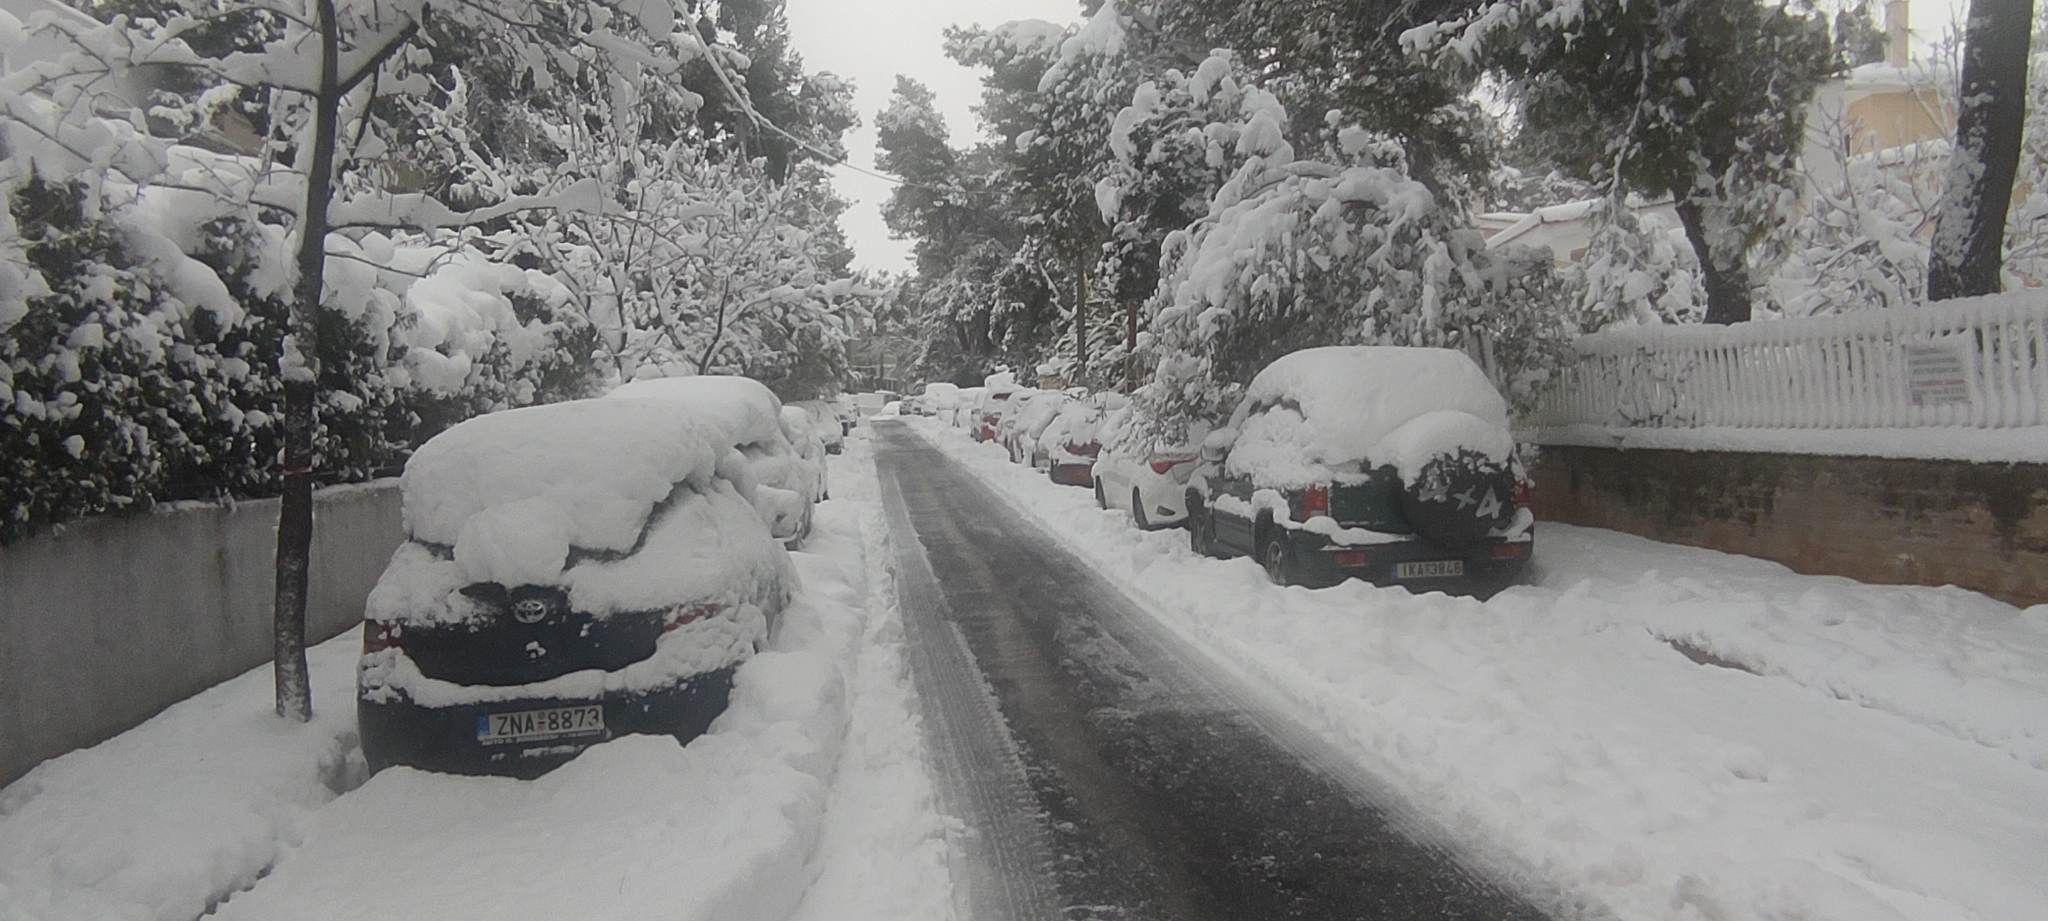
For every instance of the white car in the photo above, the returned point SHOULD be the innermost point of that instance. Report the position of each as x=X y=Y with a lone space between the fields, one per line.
x=1022 y=427
x=809 y=443
x=1141 y=476
x=825 y=422
x=965 y=411
x=751 y=416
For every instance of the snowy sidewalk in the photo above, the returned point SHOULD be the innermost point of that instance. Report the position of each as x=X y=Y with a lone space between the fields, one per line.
x=160 y=822
x=1883 y=764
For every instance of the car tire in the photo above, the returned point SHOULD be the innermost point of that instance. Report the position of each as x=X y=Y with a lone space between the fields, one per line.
x=1201 y=529
x=1276 y=556
x=1138 y=511
x=1101 y=498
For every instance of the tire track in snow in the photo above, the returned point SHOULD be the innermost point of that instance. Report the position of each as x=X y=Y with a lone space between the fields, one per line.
x=1001 y=864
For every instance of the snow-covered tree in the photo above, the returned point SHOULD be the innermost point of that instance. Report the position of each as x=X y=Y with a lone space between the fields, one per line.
x=354 y=94
x=1702 y=101
x=1634 y=272
x=1344 y=249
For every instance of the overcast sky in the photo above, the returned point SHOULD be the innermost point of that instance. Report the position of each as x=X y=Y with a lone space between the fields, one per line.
x=871 y=41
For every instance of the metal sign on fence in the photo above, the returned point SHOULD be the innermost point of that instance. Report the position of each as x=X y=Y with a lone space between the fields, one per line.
x=1936 y=374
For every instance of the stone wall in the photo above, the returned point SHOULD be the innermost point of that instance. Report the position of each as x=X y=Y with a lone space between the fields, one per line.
x=113 y=619
x=1980 y=526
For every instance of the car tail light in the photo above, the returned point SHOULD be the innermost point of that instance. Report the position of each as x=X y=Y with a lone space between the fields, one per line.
x=1315 y=500
x=379 y=636
x=1353 y=557
x=1164 y=464
x=677 y=618
x=1522 y=491
x=1514 y=551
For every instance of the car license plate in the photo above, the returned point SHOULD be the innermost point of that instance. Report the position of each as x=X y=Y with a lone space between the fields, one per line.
x=539 y=725
x=1430 y=569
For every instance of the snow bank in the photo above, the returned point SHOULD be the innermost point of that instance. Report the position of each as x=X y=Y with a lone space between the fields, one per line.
x=724 y=828
x=159 y=822
x=1883 y=765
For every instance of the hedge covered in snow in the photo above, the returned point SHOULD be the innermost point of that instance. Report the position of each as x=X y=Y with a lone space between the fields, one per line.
x=140 y=346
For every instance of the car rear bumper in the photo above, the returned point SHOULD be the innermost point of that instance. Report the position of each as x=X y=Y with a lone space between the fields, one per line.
x=445 y=738
x=1322 y=561
x=1068 y=474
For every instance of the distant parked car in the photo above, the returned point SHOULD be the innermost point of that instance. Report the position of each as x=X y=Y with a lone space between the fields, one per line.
x=825 y=422
x=967 y=413
x=571 y=573
x=994 y=400
x=810 y=446
x=1142 y=475
x=751 y=414
x=941 y=399
x=1022 y=427
x=1069 y=443
x=1395 y=465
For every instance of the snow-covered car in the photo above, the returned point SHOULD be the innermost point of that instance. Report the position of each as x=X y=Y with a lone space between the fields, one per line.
x=1069 y=443
x=1395 y=465
x=825 y=422
x=786 y=487
x=1139 y=474
x=995 y=398
x=1022 y=427
x=809 y=444
x=849 y=415
x=571 y=573
x=966 y=413
x=941 y=400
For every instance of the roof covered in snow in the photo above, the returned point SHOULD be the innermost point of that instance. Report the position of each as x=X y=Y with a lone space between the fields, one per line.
x=746 y=408
x=1350 y=398
x=525 y=485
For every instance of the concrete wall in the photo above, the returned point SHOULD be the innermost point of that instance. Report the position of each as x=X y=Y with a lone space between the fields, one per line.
x=1980 y=526
x=110 y=621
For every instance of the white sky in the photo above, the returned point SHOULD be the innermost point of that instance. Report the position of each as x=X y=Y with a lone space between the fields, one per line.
x=871 y=41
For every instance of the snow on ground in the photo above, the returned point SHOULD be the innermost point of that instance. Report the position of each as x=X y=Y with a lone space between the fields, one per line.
x=1885 y=763
x=883 y=854
x=154 y=823
x=203 y=800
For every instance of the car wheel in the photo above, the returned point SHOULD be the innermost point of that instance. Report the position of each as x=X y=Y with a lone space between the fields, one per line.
x=1101 y=498
x=1201 y=529
x=1138 y=511
x=1278 y=558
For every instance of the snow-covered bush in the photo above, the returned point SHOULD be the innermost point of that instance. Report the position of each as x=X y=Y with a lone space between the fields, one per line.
x=1345 y=250
x=1636 y=270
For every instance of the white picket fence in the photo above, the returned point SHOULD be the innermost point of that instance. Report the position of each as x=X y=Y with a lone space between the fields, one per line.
x=1979 y=363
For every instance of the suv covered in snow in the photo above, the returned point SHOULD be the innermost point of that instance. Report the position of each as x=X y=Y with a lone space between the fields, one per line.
x=572 y=573
x=1395 y=465
x=787 y=485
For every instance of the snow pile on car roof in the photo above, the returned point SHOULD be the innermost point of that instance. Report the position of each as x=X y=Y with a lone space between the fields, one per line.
x=1347 y=400
x=512 y=491
x=749 y=411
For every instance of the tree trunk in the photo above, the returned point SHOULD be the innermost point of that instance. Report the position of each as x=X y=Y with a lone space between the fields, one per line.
x=1080 y=320
x=1968 y=252
x=301 y=371
x=1727 y=287
x=1131 y=347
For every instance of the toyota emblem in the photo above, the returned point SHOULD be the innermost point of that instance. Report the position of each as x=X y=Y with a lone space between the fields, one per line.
x=530 y=610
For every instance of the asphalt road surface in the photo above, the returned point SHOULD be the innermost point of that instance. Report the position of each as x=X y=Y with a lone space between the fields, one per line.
x=1101 y=771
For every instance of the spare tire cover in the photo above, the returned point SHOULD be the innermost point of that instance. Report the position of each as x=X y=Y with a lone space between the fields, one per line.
x=1458 y=497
